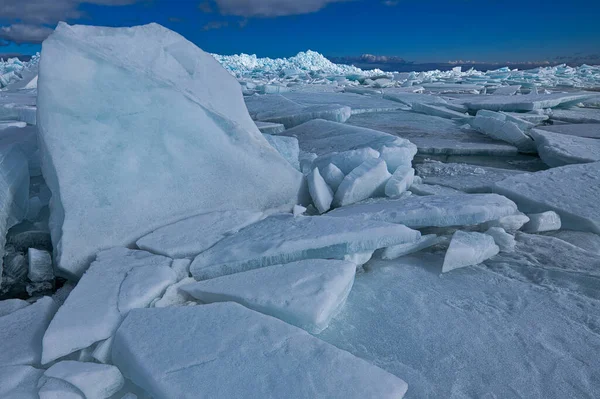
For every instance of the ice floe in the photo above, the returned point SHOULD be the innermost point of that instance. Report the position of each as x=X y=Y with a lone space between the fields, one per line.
x=468 y=249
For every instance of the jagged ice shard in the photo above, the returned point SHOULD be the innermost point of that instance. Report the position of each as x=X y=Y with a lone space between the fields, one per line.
x=139 y=128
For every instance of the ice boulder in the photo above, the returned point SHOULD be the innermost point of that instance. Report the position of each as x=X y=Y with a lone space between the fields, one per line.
x=283 y=239
x=139 y=128
x=541 y=222
x=193 y=235
x=558 y=149
x=224 y=350
x=118 y=280
x=365 y=181
x=321 y=193
x=21 y=333
x=19 y=382
x=307 y=294
x=468 y=249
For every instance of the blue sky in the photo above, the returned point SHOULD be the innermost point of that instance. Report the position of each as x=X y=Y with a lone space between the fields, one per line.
x=417 y=30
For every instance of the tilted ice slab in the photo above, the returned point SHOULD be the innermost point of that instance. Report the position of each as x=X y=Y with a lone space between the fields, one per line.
x=400 y=181
x=571 y=191
x=590 y=130
x=397 y=251
x=192 y=352
x=153 y=132
x=442 y=112
x=328 y=139
x=577 y=115
x=526 y=103
x=365 y=181
x=321 y=193
x=307 y=294
x=433 y=135
x=431 y=211
x=541 y=222
x=286 y=146
x=506 y=242
x=468 y=249
x=270 y=128
x=21 y=333
x=284 y=238
x=193 y=235
x=500 y=128
x=118 y=280
x=19 y=382
x=558 y=149
x=463 y=177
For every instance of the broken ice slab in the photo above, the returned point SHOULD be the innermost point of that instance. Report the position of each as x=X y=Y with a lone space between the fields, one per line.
x=463 y=177
x=332 y=175
x=506 y=90
x=307 y=294
x=431 y=211
x=510 y=223
x=590 y=130
x=95 y=381
x=286 y=146
x=194 y=351
x=402 y=96
x=321 y=193
x=193 y=235
x=440 y=111
x=400 y=181
x=433 y=135
x=328 y=139
x=270 y=128
x=19 y=382
x=21 y=333
x=500 y=128
x=534 y=117
x=365 y=181
x=558 y=149
x=541 y=222
x=117 y=281
x=571 y=191
x=40 y=265
x=53 y=388
x=432 y=189
x=469 y=249
x=357 y=103
x=576 y=115
x=284 y=238
x=527 y=102
x=212 y=155
x=503 y=240
x=397 y=251
x=453 y=88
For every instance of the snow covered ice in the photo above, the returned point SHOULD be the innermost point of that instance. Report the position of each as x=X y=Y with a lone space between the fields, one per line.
x=235 y=226
x=176 y=353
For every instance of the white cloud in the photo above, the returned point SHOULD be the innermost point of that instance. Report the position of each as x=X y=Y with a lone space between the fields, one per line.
x=21 y=33
x=271 y=8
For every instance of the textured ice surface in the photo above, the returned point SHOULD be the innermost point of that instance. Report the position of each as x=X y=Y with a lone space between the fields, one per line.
x=431 y=211
x=397 y=251
x=591 y=130
x=528 y=102
x=588 y=241
x=321 y=193
x=433 y=135
x=8 y=306
x=571 y=191
x=21 y=333
x=400 y=181
x=117 y=281
x=307 y=294
x=40 y=265
x=200 y=150
x=193 y=235
x=500 y=128
x=576 y=115
x=288 y=148
x=404 y=97
x=558 y=149
x=540 y=222
x=187 y=352
x=463 y=177
x=19 y=382
x=95 y=381
x=468 y=249
x=284 y=238
x=367 y=180
x=503 y=240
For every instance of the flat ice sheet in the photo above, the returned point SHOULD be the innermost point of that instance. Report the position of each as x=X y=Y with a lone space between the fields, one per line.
x=431 y=211
x=576 y=115
x=226 y=351
x=571 y=191
x=590 y=130
x=526 y=102
x=284 y=238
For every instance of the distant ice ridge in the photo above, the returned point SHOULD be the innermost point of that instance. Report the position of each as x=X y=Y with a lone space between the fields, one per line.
x=12 y=69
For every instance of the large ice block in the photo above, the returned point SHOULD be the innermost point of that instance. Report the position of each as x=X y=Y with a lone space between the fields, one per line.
x=431 y=211
x=558 y=149
x=365 y=181
x=468 y=249
x=400 y=181
x=571 y=191
x=117 y=281
x=321 y=193
x=284 y=238
x=287 y=146
x=307 y=294
x=193 y=235
x=139 y=128
x=500 y=128
x=21 y=333
x=224 y=350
